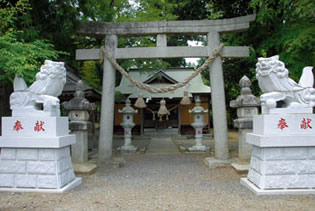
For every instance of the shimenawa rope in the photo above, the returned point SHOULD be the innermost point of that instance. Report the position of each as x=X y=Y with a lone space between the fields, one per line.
x=170 y=88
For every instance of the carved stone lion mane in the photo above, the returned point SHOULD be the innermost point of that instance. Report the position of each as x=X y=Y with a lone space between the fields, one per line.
x=273 y=79
x=41 y=98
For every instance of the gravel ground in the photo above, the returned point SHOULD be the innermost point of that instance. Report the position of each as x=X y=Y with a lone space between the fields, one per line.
x=158 y=182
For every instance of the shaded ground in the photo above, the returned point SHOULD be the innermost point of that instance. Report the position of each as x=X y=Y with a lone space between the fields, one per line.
x=158 y=182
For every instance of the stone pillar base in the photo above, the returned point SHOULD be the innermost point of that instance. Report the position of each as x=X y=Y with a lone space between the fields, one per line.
x=128 y=149
x=213 y=162
x=241 y=168
x=84 y=168
x=196 y=148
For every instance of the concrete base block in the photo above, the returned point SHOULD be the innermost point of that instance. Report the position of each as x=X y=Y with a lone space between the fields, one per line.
x=84 y=168
x=246 y=183
x=76 y=182
x=214 y=163
x=198 y=148
x=241 y=168
x=128 y=149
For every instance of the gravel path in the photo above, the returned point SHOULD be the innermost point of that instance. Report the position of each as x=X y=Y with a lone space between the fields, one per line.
x=157 y=182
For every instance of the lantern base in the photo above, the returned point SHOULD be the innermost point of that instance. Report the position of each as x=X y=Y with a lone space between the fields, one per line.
x=128 y=149
x=198 y=148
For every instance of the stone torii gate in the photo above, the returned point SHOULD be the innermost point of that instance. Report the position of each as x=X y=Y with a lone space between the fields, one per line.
x=211 y=28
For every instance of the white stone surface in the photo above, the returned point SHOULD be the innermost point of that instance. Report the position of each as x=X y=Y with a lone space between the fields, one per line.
x=39 y=172
x=46 y=154
x=282 y=167
x=285 y=124
x=307 y=110
x=9 y=166
x=26 y=154
x=43 y=92
x=274 y=81
x=8 y=154
x=280 y=140
x=6 y=180
x=245 y=182
x=74 y=183
x=36 y=163
x=25 y=181
x=198 y=148
x=52 y=126
x=37 y=142
x=47 y=181
x=239 y=167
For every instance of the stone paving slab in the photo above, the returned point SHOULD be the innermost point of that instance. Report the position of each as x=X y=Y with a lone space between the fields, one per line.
x=162 y=146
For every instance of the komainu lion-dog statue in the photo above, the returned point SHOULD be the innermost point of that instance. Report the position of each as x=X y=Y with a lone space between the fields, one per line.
x=41 y=98
x=280 y=91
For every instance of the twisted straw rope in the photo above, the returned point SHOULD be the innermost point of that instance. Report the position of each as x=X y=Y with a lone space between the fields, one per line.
x=170 y=88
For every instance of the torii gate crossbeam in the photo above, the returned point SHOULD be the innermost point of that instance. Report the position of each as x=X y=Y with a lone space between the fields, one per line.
x=211 y=28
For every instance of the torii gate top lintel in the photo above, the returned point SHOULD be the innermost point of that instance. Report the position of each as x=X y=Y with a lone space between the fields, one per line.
x=199 y=27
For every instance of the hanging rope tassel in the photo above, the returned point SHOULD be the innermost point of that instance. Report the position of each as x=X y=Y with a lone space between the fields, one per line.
x=140 y=102
x=163 y=110
x=185 y=100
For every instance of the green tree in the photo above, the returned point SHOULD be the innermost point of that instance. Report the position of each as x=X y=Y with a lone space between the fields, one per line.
x=18 y=54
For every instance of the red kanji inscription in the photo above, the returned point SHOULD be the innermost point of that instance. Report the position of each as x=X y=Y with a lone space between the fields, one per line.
x=306 y=123
x=199 y=132
x=282 y=124
x=126 y=132
x=39 y=126
x=17 y=126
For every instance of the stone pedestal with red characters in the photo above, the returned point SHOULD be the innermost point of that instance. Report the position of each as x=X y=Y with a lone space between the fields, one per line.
x=35 y=155
x=283 y=154
x=35 y=141
x=283 y=138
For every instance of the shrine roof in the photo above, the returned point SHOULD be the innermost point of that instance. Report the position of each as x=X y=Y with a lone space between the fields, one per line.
x=162 y=78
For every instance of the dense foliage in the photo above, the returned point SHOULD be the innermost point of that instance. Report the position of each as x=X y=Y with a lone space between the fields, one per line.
x=20 y=54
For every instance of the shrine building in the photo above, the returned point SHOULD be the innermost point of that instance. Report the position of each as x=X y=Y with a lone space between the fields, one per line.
x=179 y=119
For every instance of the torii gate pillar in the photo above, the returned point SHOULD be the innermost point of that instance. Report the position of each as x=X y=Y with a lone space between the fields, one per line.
x=221 y=149
x=108 y=102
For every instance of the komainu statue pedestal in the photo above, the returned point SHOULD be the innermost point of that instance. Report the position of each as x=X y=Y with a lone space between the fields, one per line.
x=283 y=154
x=35 y=141
x=283 y=138
x=35 y=155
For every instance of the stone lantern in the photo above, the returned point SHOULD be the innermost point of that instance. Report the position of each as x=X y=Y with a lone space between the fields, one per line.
x=79 y=108
x=247 y=106
x=198 y=124
x=128 y=124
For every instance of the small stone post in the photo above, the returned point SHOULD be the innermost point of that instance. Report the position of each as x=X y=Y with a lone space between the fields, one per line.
x=247 y=106
x=198 y=124
x=128 y=124
x=79 y=108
